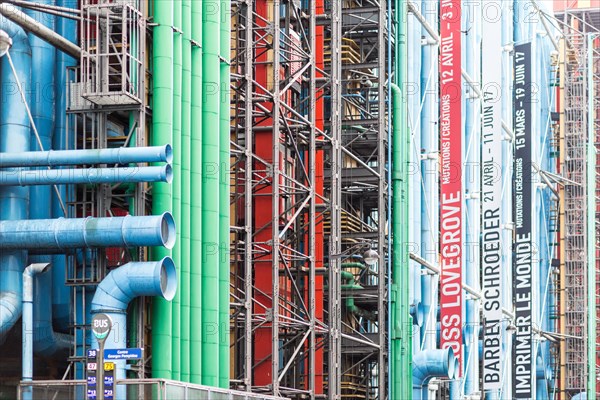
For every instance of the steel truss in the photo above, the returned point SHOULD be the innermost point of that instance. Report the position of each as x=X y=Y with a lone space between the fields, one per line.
x=576 y=24
x=309 y=197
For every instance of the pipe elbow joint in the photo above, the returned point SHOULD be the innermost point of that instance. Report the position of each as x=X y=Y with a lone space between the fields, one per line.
x=20 y=41
x=435 y=363
x=135 y=279
x=417 y=312
x=10 y=312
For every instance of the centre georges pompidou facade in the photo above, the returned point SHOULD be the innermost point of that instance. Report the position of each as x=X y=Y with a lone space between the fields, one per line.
x=360 y=199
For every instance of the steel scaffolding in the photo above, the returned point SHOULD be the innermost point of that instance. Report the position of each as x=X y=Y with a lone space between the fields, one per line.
x=309 y=197
x=577 y=103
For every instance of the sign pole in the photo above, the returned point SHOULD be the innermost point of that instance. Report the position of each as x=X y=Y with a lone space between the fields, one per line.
x=101 y=326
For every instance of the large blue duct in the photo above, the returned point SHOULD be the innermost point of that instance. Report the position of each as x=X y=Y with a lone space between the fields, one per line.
x=85 y=176
x=121 y=155
x=37 y=330
x=121 y=286
x=42 y=108
x=14 y=137
x=63 y=234
x=64 y=139
x=429 y=364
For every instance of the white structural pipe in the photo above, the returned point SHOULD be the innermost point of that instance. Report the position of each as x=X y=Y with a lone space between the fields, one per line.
x=31 y=25
x=27 y=326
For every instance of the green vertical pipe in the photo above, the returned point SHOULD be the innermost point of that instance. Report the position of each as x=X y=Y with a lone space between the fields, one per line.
x=177 y=76
x=210 y=188
x=162 y=125
x=186 y=97
x=401 y=320
x=591 y=228
x=196 y=262
x=224 y=137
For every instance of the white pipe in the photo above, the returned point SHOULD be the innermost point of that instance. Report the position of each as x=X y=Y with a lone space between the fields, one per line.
x=27 y=326
x=31 y=25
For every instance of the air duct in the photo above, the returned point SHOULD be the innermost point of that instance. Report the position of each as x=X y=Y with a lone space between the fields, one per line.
x=14 y=137
x=86 y=176
x=38 y=334
x=121 y=286
x=429 y=364
x=63 y=234
x=27 y=325
x=63 y=139
x=18 y=17
x=121 y=155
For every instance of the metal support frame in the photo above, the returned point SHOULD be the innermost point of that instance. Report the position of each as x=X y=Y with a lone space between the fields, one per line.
x=274 y=145
x=577 y=103
x=277 y=147
x=91 y=108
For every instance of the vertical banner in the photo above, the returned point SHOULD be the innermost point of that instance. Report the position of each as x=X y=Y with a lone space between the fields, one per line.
x=491 y=193
x=522 y=191
x=451 y=178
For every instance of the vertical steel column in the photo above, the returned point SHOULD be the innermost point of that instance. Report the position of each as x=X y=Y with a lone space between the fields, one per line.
x=312 y=149
x=591 y=222
x=275 y=185
x=382 y=188
x=334 y=323
x=248 y=188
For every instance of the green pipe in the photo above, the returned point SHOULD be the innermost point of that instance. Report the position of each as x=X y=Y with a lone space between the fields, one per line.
x=186 y=97
x=224 y=219
x=401 y=321
x=347 y=275
x=196 y=262
x=210 y=188
x=349 y=302
x=352 y=308
x=591 y=228
x=401 y=324
x=162 y=98
x=177 y=76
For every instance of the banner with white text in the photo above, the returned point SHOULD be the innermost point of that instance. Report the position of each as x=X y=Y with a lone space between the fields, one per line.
x=491 y=195
x=451 y=178
x=522 y=191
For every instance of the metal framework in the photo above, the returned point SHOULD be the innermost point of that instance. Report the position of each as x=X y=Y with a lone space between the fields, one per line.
x=107 y=107
x=574 y=128
x=309 y=197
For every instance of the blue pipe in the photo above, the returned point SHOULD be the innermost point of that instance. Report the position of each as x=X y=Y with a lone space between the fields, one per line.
x=417 y=313
x=86 y=175
x=430 y=196
x=389 y=188
x=413 y=97
x=38 y=334
x=63 y=234
x=42 y=103
x=27 y=325
x=121 y=286
x=43 y=112
x=63 y=140
x=14 y=137
x=46 y=341
x=429 y=364
x=121 y=155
